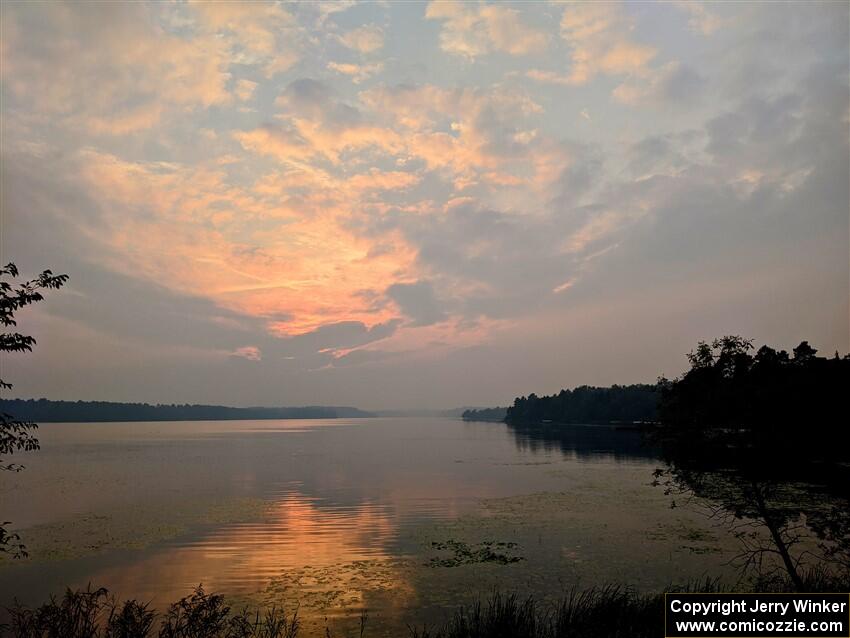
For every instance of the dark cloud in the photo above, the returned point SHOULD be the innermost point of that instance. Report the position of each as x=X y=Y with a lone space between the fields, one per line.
x=312 y=99
x=682 y=84
x=417 y=301
x=344 y=334
x=515 y=261
x=757 y=124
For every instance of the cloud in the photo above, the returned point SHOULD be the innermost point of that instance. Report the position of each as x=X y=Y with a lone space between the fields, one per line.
x=474 y=138
x=598 y=35
x=600 y=227
x=264 y=35
x=667 y=154
x=467 y=134
x=486 y=263
x=365 y=39
x=473 y=30
x=380 y=180
x=251 y=353
x=329 y=8
x=245 y=89
x=225 y=243
x=418 y=301
x=118 y=73
x=332 y=337
x=357 y=72
x=316 y=124
x=700 y=19
x=549 y=77
x=674 y=83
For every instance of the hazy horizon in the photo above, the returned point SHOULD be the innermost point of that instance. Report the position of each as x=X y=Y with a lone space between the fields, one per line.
x=418 y=205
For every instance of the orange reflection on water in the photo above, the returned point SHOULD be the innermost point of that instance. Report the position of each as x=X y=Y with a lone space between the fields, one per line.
x=327 y=559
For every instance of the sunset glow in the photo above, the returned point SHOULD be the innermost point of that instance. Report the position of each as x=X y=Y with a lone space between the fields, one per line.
x=407 y=188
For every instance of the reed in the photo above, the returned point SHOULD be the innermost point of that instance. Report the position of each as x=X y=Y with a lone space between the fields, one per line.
x=611 y=611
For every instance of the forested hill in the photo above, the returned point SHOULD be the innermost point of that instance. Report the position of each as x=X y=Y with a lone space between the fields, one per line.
x=589 y=404
x=44 y=411
x=485 y=414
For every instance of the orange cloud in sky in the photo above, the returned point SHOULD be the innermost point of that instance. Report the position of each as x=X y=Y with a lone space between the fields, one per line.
x=252 y=353
x=365 y=39
x=468 y=154
x=357 y=72
x=189 y=229
x=304 y=140
x=256 y=33
x=599 y=36
x=476 y=29
x=113 y=80
x=288 y=246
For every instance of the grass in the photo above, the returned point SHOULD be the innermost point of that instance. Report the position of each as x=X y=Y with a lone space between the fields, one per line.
x=608 y=611
x=94 y=614
x=601 y=612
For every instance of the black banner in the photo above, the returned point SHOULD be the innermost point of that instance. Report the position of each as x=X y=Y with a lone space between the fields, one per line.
x=756 y=615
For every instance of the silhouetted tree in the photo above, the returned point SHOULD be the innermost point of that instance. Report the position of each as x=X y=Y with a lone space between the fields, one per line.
x=757 y=439
x=17 y=435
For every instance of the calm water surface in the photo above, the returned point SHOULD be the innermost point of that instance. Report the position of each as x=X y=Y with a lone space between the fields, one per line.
x=340 y=515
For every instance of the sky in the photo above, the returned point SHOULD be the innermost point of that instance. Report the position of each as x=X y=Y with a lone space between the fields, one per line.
x=407 y=205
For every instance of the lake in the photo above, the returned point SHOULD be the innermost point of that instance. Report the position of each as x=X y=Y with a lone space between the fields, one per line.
x=405 y=517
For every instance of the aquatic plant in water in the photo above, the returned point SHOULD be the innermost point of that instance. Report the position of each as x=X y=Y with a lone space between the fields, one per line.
x=463 y=554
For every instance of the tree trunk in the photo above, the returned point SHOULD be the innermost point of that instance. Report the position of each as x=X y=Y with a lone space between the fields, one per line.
x=781 y=547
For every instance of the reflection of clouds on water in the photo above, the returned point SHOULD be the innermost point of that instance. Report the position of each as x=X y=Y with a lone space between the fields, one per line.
x=335 y=519
x=300 y=551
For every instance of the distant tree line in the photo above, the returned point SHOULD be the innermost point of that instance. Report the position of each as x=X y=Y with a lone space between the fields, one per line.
x=485 y=414
x=45 y=411
x=588 y=404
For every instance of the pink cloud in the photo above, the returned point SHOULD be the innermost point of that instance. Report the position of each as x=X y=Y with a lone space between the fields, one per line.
x=251 y=353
